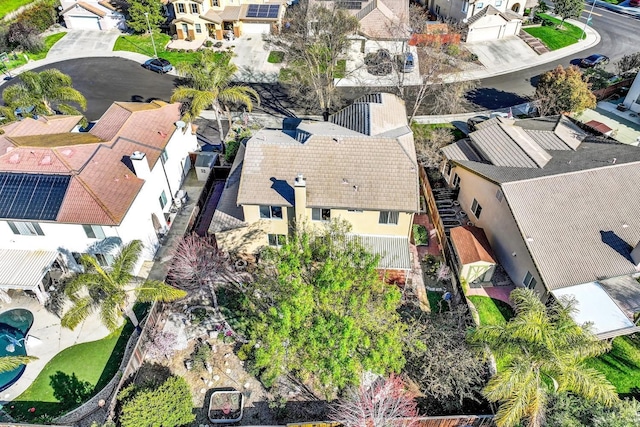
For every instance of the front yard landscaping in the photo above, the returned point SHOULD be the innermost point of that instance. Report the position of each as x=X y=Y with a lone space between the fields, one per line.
x=18 y=59
x=275 y=57
x=142 y=44
x=553 y=36
x=621 y=365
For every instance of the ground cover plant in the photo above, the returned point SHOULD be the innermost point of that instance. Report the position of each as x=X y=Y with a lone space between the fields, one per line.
x=554 y=36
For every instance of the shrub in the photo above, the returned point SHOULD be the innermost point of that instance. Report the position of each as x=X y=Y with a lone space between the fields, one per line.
x=217 y=45
x=166 y=405
x=40 y=16
x=231 y=150
x=453 y=49
x=201 y=356
x=420 y=234
x=275 y=57
x=547 y=23
x=25 y=36
x=208 y=43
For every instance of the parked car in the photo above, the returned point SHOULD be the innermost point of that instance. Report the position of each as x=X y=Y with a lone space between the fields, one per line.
x=158 y=65
x=594 y=60
x=474 y=121
x=405 y=62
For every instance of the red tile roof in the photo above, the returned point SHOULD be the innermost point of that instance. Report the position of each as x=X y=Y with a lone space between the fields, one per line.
x=102 y=187
x=471 y=245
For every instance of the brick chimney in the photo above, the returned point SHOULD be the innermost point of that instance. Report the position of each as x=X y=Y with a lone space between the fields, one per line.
x=140 y=165
x=300 y=195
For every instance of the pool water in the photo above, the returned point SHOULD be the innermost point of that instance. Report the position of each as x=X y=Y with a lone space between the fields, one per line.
x=14 y=325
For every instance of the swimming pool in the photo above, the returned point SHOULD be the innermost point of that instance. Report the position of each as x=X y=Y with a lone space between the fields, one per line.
x=14 y=325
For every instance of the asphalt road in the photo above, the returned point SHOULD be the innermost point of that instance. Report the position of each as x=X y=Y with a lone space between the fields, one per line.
x=104 y=80
x=619 y=37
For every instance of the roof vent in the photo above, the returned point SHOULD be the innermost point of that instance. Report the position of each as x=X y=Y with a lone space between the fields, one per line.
x=46 y=160
x=180 y=124
x=67 y=152
x=15 y=159
x=137 y=155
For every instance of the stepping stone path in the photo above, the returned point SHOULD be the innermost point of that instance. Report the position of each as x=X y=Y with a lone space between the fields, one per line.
x=533 y=42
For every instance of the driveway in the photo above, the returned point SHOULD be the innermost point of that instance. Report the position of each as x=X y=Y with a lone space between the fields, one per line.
x=503 y=52
x=77 y=42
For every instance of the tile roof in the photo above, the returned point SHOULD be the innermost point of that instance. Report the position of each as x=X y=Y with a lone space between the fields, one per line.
x=102 y=187
x=231 y=13
x=212 y=16
x=88 y=7
x=492 y=11
x=471 y=245
x=581 y=226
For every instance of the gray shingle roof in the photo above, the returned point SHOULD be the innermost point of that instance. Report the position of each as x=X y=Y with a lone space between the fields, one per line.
x=229 y=214
x=373 y=114
x=579 y=227
x=460 y=150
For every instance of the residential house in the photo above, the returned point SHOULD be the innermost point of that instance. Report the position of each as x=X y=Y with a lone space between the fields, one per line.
x=360 y=166
x=93 y=14
x=64 y=192
x=201 y=19
x=560 y=209
x=632 y=99
x=379 y=19
x=484 y=19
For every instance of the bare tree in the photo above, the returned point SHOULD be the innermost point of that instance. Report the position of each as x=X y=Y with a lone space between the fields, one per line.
x=628 y=63
x=428 y=144
x=313 y=40
x=385 y=403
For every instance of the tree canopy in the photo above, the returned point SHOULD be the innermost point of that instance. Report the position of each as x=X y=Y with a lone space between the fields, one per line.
x=322 y=312
x=168 y=404
x=136 y=19
x=568 y=410
x=546 y=352
x=568 y=8
x=563 y=90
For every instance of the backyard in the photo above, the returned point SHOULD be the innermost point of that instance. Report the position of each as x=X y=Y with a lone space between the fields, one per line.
x=553 y=36
x=491 y=311
x=621 y=365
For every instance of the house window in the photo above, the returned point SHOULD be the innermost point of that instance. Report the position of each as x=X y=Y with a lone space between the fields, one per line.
x=318 y=214
x=164 y=156
x=499 y=195
x=465 y=6
x=194 y=8
x=276 y=239
x=447 y=169
x=479 y=5
x=476 y=208
x=498 y=3
x=163 y=200
x=355 y=210
x=105 y=260
x=437 y=9
x=388 y=217
x=94 y=231
x=198 y=28
x=271 y=212
x=456 y=180
x=215 y=3
x=529 y=281
x=180 y=8
x=25 y=228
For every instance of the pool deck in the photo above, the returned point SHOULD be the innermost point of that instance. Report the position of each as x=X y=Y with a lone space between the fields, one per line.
x=50 y=339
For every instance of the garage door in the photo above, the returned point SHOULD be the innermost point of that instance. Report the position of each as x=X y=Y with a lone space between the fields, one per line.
x=482 y=34
x=256 y=28
x=83 y=22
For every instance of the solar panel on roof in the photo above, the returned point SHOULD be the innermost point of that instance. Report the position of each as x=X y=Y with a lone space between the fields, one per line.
x=274 y=10
x=263 y=11
x=32 y=196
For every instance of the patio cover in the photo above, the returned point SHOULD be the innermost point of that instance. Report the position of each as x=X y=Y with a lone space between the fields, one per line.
x=23 y=269
x=593 y=304
x=393 y=250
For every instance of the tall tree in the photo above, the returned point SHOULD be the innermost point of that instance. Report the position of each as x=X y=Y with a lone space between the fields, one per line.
x=546 y=351
x=568 y=9
x=321 y=312
x=208 y=84
x=385 y=403
x=313 y=40
x=563 y=90
x=47 y=91
x=136 y=19
x=106 y=290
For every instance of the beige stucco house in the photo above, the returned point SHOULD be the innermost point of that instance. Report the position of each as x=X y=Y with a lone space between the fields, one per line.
x=201 y=19
x=560 y=210
x=93 y=14
x=360 y=166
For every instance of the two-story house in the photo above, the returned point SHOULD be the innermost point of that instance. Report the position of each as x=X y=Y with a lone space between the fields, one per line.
x=64 y=192
x=559 y=208
x=201 y=19
x=360 y=166
x=484 y=19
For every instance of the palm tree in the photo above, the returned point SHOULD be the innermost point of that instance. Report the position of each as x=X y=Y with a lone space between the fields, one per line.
x=106 y=290
x=208 y=85
x=47 y=91
x=9 y=363
x=546 y=352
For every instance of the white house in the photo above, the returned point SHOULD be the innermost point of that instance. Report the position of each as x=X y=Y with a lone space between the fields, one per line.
x=632 y=100
x=64 y=193
x=93 y=15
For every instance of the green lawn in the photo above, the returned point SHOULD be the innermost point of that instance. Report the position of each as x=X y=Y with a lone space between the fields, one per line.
x=491 y=311
x=554 y=37
x=622 y=364
x=142 y=44
x=95 y=362
x=7 y=6
x=19 y=59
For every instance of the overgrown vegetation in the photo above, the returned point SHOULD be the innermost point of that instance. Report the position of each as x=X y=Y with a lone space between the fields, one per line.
x=430 y=138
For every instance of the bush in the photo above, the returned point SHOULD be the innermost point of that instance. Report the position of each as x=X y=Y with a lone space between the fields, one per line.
x=208 y=43
x=25 y=36
x=40 y=16
x=420 y=235
x=166 y=405
x=231 y=150
x=217 y=45
x=453 y=50
x=275 y=57
x=201 y=356
x=547 y=23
